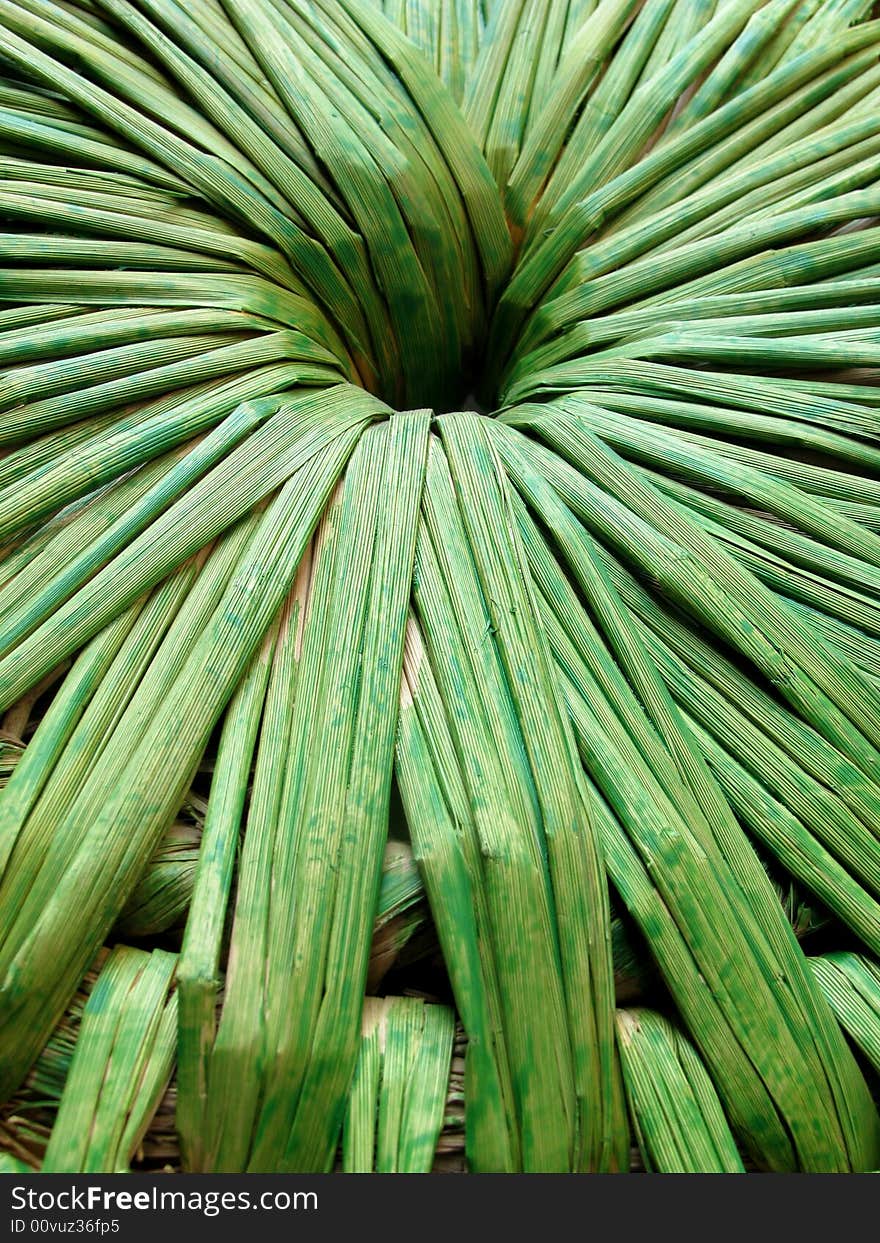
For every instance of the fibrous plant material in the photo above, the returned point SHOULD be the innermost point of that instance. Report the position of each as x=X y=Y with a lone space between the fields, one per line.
x=120 y=1067
x=614 y=644
x=161 y=899
x=677 y=1116
x=418 y=1093
x=403 y=922
x=12 y=1165
x=29 y=1115
x=398 y=1092
x=851 y=982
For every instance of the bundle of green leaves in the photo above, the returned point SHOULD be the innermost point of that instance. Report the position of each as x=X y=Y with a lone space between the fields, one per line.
x=457 y=416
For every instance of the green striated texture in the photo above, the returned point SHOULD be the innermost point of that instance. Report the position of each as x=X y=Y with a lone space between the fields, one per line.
x=120 y=1067
x=677 y=1116
x=612 y=646
x=398 y=1092
x=851 y=982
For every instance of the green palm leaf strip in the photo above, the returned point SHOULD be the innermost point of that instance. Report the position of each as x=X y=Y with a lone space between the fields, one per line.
x=716 y=839
x=524 y=822
x=851 y=982
x=398 y=1094
x=120 y=1067
x=625 y=627
x=446 y=845
x=161 y=899
x=171 y=716
x=677 y=1116
x=333 y=807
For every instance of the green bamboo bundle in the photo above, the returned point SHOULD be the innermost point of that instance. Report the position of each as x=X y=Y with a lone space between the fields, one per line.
x=26 y=1123
x=851 y=982
x=613 y=646
x=398 y=1092
x=120 y=1065
x=421 y=1090
x=161 y=898
x=677 y=1117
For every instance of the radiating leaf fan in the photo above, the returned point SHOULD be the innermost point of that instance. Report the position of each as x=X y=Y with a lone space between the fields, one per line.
x=475 y=401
